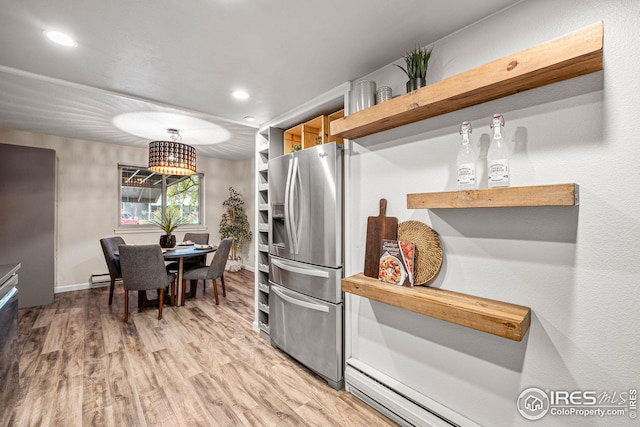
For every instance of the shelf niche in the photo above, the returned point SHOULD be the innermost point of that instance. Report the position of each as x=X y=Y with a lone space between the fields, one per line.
x=494 y=317
x=311 y=133
x=504 y=197
x=571 y=56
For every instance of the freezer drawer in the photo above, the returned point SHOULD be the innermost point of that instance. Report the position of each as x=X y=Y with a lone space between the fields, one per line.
x=318 y=282
x=309 y=330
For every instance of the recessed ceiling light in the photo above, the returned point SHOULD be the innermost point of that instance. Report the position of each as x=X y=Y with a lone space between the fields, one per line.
x=249 y=118
x=240 y=94
x=61 y=38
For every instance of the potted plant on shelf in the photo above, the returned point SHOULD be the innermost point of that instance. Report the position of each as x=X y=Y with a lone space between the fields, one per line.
x=417 y=61
x=234 y=223
x=168 y=222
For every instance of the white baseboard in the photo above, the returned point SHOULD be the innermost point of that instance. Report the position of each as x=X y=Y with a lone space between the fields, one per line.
x=83 y=286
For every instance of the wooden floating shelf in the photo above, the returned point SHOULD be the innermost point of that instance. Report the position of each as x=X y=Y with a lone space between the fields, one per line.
x=494 y=317
x=571 y=56
x=504 y=197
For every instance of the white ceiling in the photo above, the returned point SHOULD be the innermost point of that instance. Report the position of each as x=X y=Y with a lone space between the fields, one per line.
x=186 y=57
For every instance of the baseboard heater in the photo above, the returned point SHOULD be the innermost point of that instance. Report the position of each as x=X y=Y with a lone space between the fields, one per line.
x=100 y=279
x=400 y=403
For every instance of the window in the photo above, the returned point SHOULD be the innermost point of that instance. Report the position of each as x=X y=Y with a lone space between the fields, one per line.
x=145 y=194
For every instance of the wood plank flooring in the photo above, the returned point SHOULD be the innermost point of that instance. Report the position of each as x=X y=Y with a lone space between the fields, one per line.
x=201 y=365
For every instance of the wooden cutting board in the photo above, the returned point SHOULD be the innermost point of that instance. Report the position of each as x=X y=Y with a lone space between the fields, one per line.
x=378 y=228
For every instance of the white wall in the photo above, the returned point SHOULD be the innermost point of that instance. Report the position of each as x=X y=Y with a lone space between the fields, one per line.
x=87 y=199
x=576 y=267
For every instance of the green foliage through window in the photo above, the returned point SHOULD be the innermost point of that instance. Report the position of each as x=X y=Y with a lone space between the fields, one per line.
x=146 y=196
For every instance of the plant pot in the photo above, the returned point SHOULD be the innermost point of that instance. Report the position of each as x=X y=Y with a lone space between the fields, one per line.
x=167 y=241
x=234 y=265
x=415 y=84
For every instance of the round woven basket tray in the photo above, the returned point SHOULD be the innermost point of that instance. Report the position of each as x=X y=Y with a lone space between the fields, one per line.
x=428 y=257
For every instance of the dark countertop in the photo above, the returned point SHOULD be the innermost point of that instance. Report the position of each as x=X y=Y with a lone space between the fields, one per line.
x=7 y=270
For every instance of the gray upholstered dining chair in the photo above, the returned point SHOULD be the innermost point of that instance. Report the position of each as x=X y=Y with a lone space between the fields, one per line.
x=198 y=239
x=143 y=269
x=213 y=272
x=109 y=247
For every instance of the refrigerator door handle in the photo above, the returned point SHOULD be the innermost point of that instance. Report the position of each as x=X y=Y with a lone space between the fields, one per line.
x=296 y=206
x=299 y=270
x=287 y=207
x=300 y=303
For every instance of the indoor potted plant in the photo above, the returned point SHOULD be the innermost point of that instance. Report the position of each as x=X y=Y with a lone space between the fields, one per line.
x=417 y=61
x=234 y=223
x=168 y=222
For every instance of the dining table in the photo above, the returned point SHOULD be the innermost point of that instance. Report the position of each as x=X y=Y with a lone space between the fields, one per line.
x=180 y=253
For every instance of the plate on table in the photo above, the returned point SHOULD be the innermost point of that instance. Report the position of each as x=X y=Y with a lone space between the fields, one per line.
x=169 y=249
x=186 y=243
x=203 y=246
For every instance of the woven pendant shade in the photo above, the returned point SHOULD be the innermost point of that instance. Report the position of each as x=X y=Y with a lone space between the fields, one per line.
x=172 y=158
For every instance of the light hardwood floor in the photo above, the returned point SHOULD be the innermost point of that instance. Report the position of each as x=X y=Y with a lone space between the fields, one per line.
x=201 y=365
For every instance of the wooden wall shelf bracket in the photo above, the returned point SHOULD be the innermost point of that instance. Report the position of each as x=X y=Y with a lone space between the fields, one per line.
x=571 y=56
x=494 y=317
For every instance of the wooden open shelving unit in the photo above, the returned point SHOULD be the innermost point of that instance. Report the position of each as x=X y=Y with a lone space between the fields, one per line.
x=494 y=317
x=292 y=137
x=312 y=132
x=571 y=56
x=505 y=197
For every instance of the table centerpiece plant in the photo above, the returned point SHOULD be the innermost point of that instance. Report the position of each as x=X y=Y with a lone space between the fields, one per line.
x=234 y=223
x=168 y=221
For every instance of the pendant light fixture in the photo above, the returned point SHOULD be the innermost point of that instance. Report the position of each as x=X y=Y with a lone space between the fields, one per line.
x=172 y=157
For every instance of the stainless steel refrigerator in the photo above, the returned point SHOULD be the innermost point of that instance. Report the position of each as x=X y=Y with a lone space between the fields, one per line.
x=306 y=310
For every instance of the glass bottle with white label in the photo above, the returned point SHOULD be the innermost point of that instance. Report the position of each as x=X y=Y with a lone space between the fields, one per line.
x=498 y=155
x=466 y=160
